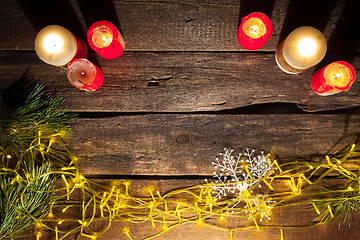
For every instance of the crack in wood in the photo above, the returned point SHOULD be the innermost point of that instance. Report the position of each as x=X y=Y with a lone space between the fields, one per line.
x=161 y=79
x=219 y=103
x=190 y=20
x=154 y=82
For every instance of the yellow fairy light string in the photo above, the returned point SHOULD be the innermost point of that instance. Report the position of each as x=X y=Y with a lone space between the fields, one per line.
x=50 y=215
x=306 y=179
x=352 y=147
x=256 y=224
x=39 y=137
x=126 y=232
x=166 y=206
x=101 y=210
x=158 y=193
x=328 y=160
x=150 y=216
x=164 y=222
x=38 y=235
x=330 y=211
x=316 y=209
x=177 y=212
x=110 y=195
x=152 y=196
x=151 y=219
x=201 y=193
x=106 y=202
x=222 y=218
x=282 y=234
x=177 y=208
x=117 y=195
x=50 y=143
x=127 y=184
x=179 y=216
x=269 y=185
x=278 y=167
x=248 y=172
x=89 y=236
x=65 y=208
x=67 y=186
x=56 y=233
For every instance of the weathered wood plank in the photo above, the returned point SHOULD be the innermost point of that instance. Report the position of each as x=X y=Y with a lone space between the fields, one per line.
x=176 y=25
x=179 y=82
x=187 y=144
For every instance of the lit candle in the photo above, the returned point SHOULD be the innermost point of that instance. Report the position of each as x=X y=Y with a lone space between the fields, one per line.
x=254 y=31
x=302 y=49
x=85 y=75
x=335 y=77
x=105 y=39
x=57 y=46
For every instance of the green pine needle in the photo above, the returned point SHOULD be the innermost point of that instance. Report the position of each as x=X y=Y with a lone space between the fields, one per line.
x=24 y=198
x=38 y=113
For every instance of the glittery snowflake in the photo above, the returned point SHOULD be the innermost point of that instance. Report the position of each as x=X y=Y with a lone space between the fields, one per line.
x=236 y=173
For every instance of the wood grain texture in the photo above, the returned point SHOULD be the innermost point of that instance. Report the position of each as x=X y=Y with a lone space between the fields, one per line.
x=178 y=82
x=187 y=144
x=171 y=25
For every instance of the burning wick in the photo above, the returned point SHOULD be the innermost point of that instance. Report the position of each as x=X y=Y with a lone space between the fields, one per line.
x=82 y=73
x=254 y=29
x=337 y=75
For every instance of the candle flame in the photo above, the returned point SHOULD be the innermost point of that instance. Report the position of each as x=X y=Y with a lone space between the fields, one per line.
x=102 y=37
x=307 y=47
x=254 y=29
x=337 y=75
x=53 y=43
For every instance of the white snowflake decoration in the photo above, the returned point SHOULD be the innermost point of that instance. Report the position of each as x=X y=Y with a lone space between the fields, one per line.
x=231 y=176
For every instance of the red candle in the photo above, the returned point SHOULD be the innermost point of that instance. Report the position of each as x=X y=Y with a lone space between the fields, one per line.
x=254 y=31
x=105 y=39
x=85 y=75
x=335 y=77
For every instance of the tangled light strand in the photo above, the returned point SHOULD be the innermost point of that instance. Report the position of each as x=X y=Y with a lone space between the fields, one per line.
x=198 y=204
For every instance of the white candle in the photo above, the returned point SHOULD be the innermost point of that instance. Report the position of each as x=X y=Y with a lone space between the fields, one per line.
x=85 y=75
x=302 y=49
x=57 y=46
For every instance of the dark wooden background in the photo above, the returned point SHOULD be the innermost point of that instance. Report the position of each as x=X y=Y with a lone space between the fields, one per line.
x=184 y=89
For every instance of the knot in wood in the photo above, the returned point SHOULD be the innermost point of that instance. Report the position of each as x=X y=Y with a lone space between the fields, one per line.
x=183 y=138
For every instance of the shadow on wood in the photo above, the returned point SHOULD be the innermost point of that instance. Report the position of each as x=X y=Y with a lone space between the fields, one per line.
x=94 y=11
x=306 y=13
x=42 y=13
x=16 y=93
x=344 y=43
x=250 y=6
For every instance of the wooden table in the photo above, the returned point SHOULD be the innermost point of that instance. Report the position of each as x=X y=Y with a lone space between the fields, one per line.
x=184 y=89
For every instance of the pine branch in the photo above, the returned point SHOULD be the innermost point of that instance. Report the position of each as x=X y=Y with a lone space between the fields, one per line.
x=38 y=113
x=24 y=198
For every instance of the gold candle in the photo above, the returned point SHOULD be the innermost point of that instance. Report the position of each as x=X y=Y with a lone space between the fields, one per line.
x=302 y=49
x=57 y=46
